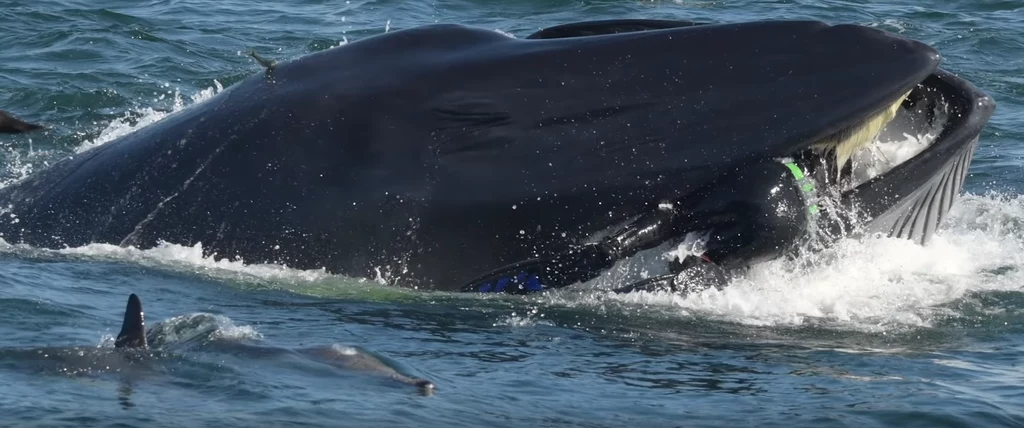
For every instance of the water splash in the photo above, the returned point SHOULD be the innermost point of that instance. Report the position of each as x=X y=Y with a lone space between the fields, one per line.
x=191 y=258
x=886 y=152
x=870 y=284
x=532 y=317
x=135 y=120
x=199 y=328
x=19 y=164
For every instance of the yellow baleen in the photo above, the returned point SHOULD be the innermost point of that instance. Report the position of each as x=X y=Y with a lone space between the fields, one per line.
x=852 y=139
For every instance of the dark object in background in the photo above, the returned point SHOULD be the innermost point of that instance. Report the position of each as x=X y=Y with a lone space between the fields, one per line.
x=12 y=125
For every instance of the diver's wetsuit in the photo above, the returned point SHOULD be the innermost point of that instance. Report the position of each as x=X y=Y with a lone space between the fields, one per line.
x=756 y=215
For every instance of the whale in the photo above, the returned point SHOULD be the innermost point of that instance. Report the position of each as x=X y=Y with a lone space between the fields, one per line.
x=434 y=156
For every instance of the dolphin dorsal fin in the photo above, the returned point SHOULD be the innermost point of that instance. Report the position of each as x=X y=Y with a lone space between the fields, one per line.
x=133 y=330
x=12 y=125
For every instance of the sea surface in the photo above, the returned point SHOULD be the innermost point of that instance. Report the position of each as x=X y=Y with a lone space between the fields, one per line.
x=886 y=334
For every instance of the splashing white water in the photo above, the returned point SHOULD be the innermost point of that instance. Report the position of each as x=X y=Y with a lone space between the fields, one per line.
x=873 y=283
x=895 y=25
x=869 y=284
x=505 y=33
x=133 y=121
x=199 y=326
x=20 y=165
x=192 y=259
x=208 y=326
x=530 y=318
x=886 y=152
x=878 y=158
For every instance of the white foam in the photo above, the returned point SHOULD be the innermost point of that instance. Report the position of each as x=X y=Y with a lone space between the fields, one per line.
x=201 y=326
x=21 y=164
x=192 y=259
x=182 y=258
x=505 y=33
x=531 y=318
x=344 y=350
x=873 y=283
x=885 y=153
x=869 y=284
x=895 y=25
x=136 y=120
x=880 y=157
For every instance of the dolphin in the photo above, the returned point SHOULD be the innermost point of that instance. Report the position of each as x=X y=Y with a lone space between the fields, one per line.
x=438 y=155
x=133 y=351
x=12 y=125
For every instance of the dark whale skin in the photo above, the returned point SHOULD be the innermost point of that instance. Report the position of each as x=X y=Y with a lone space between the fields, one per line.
x=437 y=153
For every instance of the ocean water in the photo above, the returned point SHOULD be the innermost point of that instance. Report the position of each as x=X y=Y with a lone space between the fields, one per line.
x=886 y=333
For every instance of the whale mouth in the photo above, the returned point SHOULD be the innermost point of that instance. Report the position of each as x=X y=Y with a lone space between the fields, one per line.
x=839 y=148
x=904 y=177
x=875 y=145
x=886 y=139
x=902 y=169
x=913 y=126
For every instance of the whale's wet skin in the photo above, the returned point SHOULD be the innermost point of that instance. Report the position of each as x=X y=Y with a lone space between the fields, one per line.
x=438 y=160
x=868 y=330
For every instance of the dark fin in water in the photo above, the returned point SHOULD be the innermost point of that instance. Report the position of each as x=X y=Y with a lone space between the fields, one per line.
x=266 y=63
x=12 y=125
x=609 y=26
x=133 y=330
